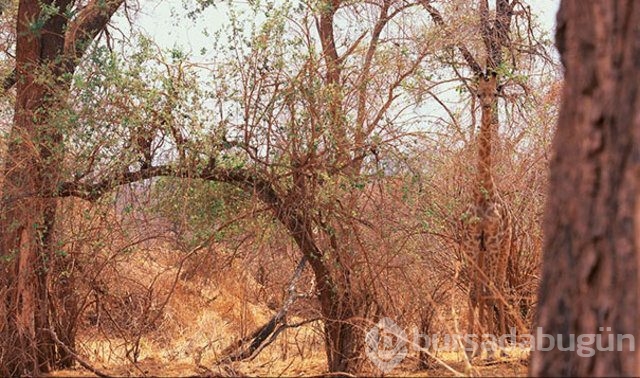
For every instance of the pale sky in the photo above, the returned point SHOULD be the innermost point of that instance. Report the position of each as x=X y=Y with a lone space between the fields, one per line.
x=168 y=23
x=547 y=10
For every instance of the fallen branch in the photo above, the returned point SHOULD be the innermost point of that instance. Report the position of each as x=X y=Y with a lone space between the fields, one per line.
x=267 y=333
x=275 y=334
x=77 y=357
x=334 y=374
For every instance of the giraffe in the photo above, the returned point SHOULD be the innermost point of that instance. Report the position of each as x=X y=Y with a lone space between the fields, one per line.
x=486 y=233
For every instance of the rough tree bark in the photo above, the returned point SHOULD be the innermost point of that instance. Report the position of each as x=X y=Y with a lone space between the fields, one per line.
x=48 y=48
x=592 y=227
x=342 y=341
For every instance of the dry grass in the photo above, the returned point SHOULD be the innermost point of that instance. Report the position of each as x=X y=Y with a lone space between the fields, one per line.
x=204 y=316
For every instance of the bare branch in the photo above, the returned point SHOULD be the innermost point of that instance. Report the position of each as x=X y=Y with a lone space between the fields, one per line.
x=77 y=357
x=266 y=334
x=352 y=48
x=466 y=54
x=239 y=177
x=365 y=75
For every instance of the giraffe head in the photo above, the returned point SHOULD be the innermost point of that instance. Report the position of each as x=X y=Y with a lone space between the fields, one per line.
x=487 y=88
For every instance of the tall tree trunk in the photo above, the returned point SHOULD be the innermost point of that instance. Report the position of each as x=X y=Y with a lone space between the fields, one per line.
x=26 y=227
x=342 y=343
x=343 y=339
x=592 y=226
x=28 y=211
x=48 y=47
x=345 y=307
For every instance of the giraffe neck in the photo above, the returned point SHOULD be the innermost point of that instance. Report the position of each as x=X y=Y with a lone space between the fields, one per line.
x=487 y=91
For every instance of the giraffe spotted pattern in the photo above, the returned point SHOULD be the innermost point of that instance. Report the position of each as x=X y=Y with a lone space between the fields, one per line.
x=487 y=233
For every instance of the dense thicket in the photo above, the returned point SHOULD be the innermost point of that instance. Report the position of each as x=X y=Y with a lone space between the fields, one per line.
x=338 y=135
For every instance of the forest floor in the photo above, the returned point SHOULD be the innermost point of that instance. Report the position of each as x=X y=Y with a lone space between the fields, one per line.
x=293 y=367
x=202 y=317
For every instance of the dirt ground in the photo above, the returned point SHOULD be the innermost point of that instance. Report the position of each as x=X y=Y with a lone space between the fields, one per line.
x=203 y=317
x=152 y=368
x=282 y=359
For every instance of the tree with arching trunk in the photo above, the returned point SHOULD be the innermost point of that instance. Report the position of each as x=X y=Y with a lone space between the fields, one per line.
x=303 y=124
x=592 y=251
x=51 y=38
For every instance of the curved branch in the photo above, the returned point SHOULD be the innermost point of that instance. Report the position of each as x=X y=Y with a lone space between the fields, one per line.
x=91 y=20
x=239 y=177
x=95 y=190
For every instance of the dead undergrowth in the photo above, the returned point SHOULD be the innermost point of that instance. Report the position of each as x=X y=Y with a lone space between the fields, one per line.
x=177 y=324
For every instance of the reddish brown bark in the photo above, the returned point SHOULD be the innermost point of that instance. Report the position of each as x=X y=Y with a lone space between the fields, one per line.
x=591 y=252
x=47 y=49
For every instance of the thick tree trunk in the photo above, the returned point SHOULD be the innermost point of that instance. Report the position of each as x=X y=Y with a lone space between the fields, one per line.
x=26 y=223
x=47 y=49
x=343 y=340
x=27 y=215
x=592 y=227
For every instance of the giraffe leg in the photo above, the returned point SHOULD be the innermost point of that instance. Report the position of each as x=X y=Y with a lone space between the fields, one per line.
x=472 y=347
x=488 y=343
x=496 y=323
x=491 y=345
x=483 y=326
x=503 y=327
x=469 y=347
